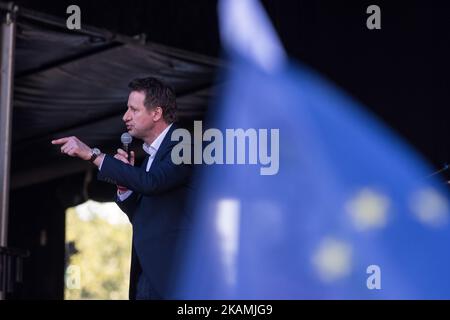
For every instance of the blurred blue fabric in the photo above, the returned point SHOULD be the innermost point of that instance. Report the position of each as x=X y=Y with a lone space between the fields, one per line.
x=349 y=194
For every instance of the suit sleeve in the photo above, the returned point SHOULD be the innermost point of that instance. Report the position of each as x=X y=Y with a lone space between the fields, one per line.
x=160 y=178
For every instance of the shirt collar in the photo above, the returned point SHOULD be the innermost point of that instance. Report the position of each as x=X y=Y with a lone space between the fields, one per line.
x=153 y=148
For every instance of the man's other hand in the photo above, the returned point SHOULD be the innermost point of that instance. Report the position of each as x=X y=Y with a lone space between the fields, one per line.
x=123 y=156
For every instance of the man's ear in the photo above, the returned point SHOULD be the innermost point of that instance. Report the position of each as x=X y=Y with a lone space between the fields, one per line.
x=158 y=114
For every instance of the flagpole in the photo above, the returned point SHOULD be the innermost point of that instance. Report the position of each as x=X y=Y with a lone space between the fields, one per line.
x=8 y=31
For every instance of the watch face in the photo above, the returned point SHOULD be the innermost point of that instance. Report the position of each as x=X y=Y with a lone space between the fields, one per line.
x=96 y=151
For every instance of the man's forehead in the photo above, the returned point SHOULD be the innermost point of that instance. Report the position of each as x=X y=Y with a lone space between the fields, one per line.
x=136 y=98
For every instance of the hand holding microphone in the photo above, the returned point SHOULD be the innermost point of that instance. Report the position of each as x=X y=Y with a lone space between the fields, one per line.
x=125 y=155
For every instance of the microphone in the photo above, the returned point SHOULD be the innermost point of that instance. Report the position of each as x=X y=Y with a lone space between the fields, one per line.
x=126 y=139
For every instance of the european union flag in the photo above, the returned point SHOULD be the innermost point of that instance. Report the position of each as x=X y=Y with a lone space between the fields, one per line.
x=347 y=213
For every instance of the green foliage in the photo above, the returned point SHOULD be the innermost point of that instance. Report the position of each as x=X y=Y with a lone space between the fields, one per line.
x=103 y=258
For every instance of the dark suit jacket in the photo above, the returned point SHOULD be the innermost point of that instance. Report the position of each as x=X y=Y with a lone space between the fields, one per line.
x=157 y=210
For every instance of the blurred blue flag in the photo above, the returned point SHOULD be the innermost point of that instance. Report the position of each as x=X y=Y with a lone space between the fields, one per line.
x=349 y=213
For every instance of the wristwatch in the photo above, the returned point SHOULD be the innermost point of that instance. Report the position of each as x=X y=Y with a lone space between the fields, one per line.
x=95 y=153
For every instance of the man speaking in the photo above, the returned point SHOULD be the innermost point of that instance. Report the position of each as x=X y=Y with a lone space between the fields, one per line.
x=153 y=196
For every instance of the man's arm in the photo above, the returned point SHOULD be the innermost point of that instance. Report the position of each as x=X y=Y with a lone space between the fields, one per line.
x=161 y=177
x=74 y=147
x=126 y=199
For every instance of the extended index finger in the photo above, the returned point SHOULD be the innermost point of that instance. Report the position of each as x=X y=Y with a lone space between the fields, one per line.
x=60 y=141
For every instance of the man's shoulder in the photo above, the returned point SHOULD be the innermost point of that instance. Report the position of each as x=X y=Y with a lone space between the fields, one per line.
x=168 y=143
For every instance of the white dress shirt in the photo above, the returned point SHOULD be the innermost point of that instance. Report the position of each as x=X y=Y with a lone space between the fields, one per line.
x=151 y=151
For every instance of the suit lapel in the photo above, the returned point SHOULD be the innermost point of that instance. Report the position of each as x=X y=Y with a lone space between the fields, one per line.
x=165 y=144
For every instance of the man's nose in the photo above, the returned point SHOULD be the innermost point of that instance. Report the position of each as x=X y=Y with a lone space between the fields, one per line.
x=125 y=116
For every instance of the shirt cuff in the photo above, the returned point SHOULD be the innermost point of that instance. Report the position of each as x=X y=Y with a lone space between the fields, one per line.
x=125 y=195
x=101 y=163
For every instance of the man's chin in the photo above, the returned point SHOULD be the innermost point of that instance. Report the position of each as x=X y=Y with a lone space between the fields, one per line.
x=133 y=133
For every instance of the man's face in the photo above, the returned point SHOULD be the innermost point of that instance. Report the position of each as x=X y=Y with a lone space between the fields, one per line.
x=138 y=119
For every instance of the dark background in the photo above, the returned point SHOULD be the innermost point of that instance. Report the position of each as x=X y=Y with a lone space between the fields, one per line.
x=401 y=73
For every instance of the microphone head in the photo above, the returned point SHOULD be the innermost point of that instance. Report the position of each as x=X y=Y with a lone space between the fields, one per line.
x=126 y=138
